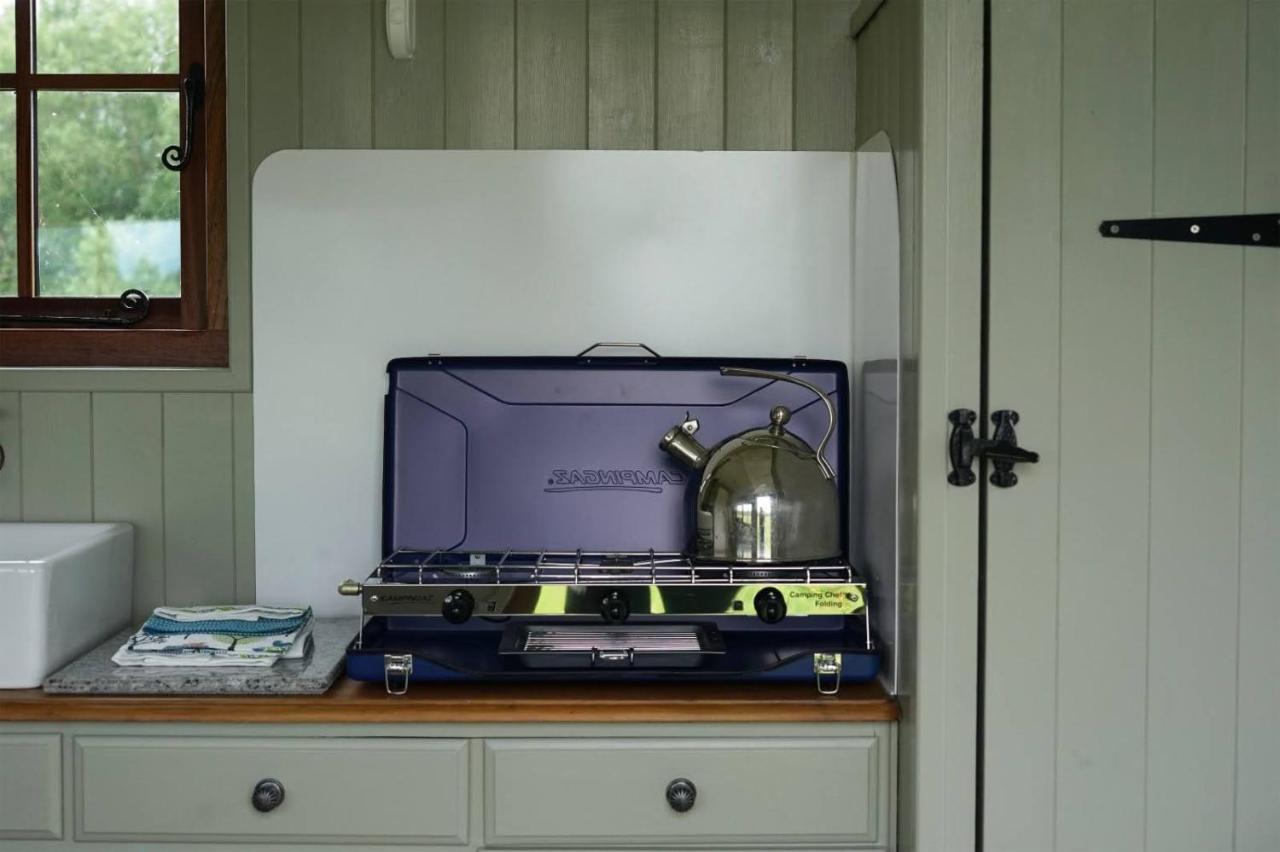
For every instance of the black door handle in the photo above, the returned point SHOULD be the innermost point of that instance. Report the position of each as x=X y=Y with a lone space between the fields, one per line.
x=1001 y=449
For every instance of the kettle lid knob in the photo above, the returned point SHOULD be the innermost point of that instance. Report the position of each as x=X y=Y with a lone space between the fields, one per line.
x=779 y=416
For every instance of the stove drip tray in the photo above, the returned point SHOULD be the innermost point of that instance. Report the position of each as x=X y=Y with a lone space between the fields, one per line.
x=573 y=646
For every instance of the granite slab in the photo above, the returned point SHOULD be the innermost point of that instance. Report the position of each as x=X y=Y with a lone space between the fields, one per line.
x=95 y=674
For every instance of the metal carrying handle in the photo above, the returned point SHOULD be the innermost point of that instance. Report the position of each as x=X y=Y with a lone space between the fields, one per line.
x=606 y=344
x=751 y=372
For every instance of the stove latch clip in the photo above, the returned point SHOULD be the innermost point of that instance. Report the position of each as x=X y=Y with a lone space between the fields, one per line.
x=396 y=669
x=826 y=671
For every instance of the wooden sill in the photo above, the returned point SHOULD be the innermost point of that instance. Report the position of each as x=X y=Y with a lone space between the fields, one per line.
x=117 y=347
x=368 y=703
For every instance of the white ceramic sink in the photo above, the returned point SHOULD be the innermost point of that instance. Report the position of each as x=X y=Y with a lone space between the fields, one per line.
x=63 y=589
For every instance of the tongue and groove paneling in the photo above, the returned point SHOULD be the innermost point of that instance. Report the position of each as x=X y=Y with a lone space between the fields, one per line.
x=275 y=79
x=1198 y=161
x=479 y=74
x=1022 y=577
x=337 y=73
x=759 y=60
x=701 y=74
x=57 y=466
x=128 y=483
x=551 y=74
x=1257 y=825
x=11 y=472
x=622 y=66
x=1131 y=667
x=690 y=96
x=408 y=94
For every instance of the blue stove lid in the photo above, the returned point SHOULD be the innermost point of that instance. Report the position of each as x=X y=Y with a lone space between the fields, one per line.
x=562 y=453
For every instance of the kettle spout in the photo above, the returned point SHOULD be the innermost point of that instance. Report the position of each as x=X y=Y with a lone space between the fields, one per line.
x=680 y=444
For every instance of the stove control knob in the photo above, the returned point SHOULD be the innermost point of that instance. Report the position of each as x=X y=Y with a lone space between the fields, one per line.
x=770 y=606
x=615 y=608
x=457 y=606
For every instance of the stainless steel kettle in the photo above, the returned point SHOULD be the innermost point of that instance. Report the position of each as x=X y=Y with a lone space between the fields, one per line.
x=766 y=496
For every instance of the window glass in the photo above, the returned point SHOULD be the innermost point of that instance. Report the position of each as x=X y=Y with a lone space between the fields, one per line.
x=106 y=36
x=8 y=64
x=8 y=196
x=108 y=210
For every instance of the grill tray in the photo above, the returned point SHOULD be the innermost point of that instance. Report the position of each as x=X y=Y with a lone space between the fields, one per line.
x=574 y=646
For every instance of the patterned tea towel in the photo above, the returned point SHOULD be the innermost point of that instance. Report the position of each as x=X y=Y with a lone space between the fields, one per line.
x=218 y=636
x=236 y=620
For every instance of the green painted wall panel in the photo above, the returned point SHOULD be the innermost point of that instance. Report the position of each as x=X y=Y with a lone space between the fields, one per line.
x=825 y=72
x=57 y=457
x=275 y=78
x=199 y=515
x=480 y=74
x=759 y=59
x=485 y=73
x=242 y=490
x=337 y=73
x=128 y=484
x=622 y=62
x=408 y=94
x=551 y=73
x=691 y=74
x=11 y=444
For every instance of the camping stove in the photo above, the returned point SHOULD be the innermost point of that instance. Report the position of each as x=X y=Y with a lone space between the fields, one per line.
x=451 y=611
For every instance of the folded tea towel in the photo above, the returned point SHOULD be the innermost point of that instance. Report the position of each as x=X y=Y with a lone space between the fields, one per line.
x=235 y=620
x=216 y=641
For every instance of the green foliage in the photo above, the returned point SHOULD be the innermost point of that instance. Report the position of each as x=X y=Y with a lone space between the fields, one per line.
x=102 y=190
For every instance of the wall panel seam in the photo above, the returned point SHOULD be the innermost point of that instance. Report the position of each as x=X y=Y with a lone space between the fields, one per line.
x=93 y=464
x=795 y=62
x=235 y=516
x=724 y=75
x=1057 y=590
x=444 y=71
x=1240 y=475
x=515 y=74
x=657 y=81
x=301 y=100
x=164 y=501
x=22 y=512
x=1151 y=345
x=373 y=97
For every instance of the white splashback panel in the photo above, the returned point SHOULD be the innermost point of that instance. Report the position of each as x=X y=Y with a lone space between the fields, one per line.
x=363 y=256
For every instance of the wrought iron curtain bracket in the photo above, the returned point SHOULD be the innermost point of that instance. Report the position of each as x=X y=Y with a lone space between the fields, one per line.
x=1259 y=229
x=175 y=158
x=133 y=308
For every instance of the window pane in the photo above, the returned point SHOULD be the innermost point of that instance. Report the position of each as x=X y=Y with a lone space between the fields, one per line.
x=8 y=196
x=106 y=36
x=7 y=46
x=108 y=208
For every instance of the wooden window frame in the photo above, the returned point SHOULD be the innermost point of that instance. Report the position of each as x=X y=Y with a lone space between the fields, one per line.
x=185 y=331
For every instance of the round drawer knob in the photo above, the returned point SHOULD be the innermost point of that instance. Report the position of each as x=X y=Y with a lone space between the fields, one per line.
x=268 y=795
x=681 y=794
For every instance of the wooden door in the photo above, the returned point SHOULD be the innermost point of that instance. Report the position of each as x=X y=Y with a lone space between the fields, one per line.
x=1132 y=648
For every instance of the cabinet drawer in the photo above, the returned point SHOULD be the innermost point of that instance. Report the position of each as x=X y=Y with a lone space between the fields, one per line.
x=335 y=790
x=560 y=793
x=30 y=786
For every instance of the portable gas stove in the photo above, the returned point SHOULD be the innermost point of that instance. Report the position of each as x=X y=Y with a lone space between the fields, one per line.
x=467 y=444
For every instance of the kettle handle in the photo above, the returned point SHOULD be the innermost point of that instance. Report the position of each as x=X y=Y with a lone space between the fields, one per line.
x=751 y=372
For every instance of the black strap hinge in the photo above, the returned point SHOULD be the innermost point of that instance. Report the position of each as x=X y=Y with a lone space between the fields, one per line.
x=1257 y=229
x=1001 y=449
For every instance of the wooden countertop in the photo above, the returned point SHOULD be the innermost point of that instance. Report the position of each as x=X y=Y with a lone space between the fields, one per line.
x=368 y=703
